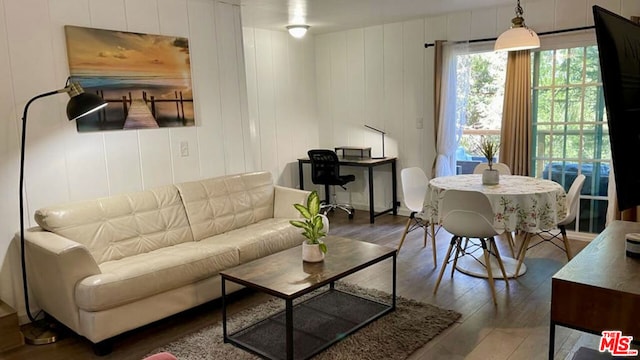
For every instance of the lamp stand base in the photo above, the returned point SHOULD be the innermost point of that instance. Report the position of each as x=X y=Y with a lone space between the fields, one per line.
x=41 y=332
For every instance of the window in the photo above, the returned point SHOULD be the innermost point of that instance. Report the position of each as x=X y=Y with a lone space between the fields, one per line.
x=570 y=133
x=480 y=93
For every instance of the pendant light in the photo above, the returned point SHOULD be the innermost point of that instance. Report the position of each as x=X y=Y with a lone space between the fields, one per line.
x=519 y=36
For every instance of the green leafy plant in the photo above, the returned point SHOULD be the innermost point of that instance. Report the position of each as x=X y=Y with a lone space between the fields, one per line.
x=489 y=149
x=312 y=225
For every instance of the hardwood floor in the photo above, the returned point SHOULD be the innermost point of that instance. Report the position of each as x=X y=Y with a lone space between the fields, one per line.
x=516 y=329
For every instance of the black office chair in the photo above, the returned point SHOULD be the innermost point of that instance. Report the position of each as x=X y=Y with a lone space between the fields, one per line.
x=325 y=170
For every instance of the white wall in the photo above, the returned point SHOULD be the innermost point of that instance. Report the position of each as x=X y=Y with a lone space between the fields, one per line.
x=63 y=165
x=383 y=76
x=282 y=100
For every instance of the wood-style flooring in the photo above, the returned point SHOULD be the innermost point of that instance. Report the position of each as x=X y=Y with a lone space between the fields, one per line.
x=516 y=329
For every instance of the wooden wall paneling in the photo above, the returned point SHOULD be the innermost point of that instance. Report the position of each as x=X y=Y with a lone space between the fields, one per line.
x=250 y=64
x=155 y=144
x=84 y=153
x=142 y=16
x=355 y=87
x=412 y=145
x=174 y=21
x=611 y=5
x=265 y=73
x=374 y=87
x=303 y=89
x=393 y=89
x=283 y=102
x=630 y=8
x=186 y=167
x=459 y=26
x=33 y=72
x=249 y=162
x=123 y=162
x=121 y=148
x=9 y=147
x=536 y=15
x=571 y=13
x=483 y=23
x=155 y=157
x=324 y=91
x=339 y=94
x=108 y=14
x=233 y=140
x=355 y=118
x=310 y=136
x=173 y=17
x=206 y=86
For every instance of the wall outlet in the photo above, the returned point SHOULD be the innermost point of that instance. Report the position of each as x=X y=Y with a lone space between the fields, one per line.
x=184 y=148
x=419 y=123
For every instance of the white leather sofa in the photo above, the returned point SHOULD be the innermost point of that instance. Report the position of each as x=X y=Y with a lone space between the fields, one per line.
x=105 y=266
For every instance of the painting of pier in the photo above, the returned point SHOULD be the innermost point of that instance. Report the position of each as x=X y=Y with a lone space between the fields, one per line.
x=145 y=79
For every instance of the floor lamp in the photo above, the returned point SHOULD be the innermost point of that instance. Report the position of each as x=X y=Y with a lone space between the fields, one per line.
x=80 y=104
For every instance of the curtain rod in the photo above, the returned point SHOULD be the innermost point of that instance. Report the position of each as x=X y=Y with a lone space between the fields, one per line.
x=539 y=34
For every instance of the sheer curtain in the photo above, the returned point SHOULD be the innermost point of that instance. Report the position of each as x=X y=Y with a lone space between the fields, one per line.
x=449 y=119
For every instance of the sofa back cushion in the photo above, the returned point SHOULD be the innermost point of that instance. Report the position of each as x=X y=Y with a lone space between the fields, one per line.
x=122 y=225
x=218 y=205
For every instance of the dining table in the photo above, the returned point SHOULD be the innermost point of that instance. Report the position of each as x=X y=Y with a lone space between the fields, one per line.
x=520 y=203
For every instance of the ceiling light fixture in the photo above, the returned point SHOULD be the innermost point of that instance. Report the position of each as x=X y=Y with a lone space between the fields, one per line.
x=519 y=36
x=297 y=31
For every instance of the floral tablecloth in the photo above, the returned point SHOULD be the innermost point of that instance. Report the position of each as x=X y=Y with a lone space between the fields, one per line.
x=518 y=202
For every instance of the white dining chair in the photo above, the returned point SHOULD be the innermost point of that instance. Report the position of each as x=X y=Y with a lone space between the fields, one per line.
x=414 y=190
x=468 y=214
x=573 y=200
x=502 y=168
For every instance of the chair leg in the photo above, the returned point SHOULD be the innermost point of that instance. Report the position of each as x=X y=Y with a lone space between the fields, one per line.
x=511 y=243
x=456 y=256
x=433 y=245
x=424 y=239
x=487 y=261
x=444 y=264
x=567 y=246
x=499 y=258
x=522 y=252
x=406 y=230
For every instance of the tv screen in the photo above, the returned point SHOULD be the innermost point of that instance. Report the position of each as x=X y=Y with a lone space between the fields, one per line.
x=619 y=48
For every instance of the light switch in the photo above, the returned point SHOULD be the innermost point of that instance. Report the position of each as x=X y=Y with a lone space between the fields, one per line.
x=184 y=148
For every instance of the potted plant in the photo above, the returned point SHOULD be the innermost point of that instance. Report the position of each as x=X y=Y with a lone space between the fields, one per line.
x=313 y=249
x=489 y=149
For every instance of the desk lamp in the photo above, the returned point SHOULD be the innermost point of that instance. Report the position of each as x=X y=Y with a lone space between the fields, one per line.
x=79 y=105
x=381 y=132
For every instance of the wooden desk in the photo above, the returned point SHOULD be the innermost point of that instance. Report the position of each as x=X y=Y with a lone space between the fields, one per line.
x=369 y=164
x=599 y=289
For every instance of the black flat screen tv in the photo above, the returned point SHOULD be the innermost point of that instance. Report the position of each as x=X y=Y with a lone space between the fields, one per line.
x=619 y=50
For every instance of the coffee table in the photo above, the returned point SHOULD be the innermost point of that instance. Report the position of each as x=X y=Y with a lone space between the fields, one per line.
x=311 y=325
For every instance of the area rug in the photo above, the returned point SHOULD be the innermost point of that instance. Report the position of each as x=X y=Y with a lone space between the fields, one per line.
x=394 y=336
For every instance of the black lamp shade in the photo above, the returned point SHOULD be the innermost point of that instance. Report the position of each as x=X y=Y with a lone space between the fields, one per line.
x=83 y=104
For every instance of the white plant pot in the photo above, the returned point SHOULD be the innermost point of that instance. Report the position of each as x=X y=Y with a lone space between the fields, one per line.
x=490 y=177
x=311 y=252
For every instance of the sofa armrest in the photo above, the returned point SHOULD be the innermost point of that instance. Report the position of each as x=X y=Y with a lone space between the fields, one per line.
x=284 y=199
x=55 y=265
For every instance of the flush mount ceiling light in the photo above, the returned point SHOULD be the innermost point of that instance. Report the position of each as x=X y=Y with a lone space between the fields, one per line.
x=519 y=36
x=298 y=31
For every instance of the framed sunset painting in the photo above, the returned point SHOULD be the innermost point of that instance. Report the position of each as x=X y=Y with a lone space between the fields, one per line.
x=145 y=79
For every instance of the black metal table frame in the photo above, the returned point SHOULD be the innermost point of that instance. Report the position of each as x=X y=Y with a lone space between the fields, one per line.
x=369 y=164
x=289 y=307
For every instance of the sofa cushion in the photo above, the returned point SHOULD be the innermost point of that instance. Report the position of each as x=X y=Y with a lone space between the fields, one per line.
x=123 y=225
x=143 y=275
x=218 y=205
x=260 y=239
